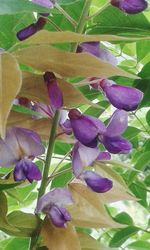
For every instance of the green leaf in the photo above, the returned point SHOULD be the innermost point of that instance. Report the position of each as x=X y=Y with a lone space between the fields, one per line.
x=121 y=236
x=142 y=161
x=63 y=179
x=139 y=245
x=15 y=6
x=66 y=2
x=148 y=118
x=124 y=218
x=139 y=190
x=131 y=132
x=18 y=243
x=24 y=110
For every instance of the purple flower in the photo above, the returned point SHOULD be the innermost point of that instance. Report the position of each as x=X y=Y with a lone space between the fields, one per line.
x=96 y=182
x=53 y=204
x=44 y=3
x=86 y=128
x=31 y=29
x=94 y=49
x=130 y=6
x=18 y=148
x=54 y=91
x=112 y=139
x=121 y=97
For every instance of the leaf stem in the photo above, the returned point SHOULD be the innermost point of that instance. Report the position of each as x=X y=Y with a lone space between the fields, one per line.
x=49 y=154
x=68 y=17
x=99 y=11
x=82 y=20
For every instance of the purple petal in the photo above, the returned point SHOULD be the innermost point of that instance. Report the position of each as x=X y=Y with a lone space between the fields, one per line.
x=122 y=97
x=29 y=142
x=54 y=91
x=31 y=29
x=43 y=109
x=57 y=196
x=117 y=145
x=64 y=122
x=86 y=128
x=44 y=3
x=94 y=49
x=26 y=169
x=130 y=6
x=59 y=216
x=118 y=123
x=83 y=156
x=96 y=182
x=103 y=156
x=9 y=149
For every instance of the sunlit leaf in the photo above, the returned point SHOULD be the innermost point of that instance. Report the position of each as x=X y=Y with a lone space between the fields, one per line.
x=59 y=238
x=10 y=83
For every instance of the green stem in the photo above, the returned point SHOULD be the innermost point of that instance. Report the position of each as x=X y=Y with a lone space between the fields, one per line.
x=42 y=188
x=49 y=155
x=68 y=17
x=82 y=20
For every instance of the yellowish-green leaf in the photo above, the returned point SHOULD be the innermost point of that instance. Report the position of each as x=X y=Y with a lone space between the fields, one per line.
x=67 y=64
x=88 y=210
x=55 y=238
x=10 y=84
x=46 y=37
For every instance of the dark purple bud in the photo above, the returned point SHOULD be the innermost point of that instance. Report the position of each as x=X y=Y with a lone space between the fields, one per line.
x=130 y=6
x=117 y=145
x=59 y=216
x=103 y=156
x=94 y=49
x=96 y=182
x=26 y=169
x=121 y=97
x=31 y=29
x=86 y=128
x=54 y=91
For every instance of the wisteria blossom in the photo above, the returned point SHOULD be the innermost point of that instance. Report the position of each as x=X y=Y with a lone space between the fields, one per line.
x=130 y=6
x=18 y=149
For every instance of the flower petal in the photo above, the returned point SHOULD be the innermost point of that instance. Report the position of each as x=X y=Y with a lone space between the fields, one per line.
x=117 y=145
x=118 y=123
x=59 y=216
x=83 y=156
x=103 y=156
x=29 y=142
x=86 y=128
x=130 y=6
x=96 y=182
x=54 y=91
x=122 y=97
x=57 y=196
x=26 y=169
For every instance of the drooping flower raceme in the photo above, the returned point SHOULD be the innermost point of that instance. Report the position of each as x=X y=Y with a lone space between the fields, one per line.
x=83 y=156
x=94 y=49
x=19 y=148
x=130 y=6
x=53 y=204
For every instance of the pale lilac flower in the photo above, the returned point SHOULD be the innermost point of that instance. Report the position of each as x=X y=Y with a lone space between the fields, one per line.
x=94 y=49
x=130 y=6
x=53 y=204
x=44 y=3
x=19 y=148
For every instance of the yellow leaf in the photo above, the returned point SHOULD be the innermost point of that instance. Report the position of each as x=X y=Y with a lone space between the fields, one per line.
x=34 y=88
x=88 y=210
x=67 y=64
x=59 y=238
x=46 y=37
x=89 y=243
x=10 y=84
